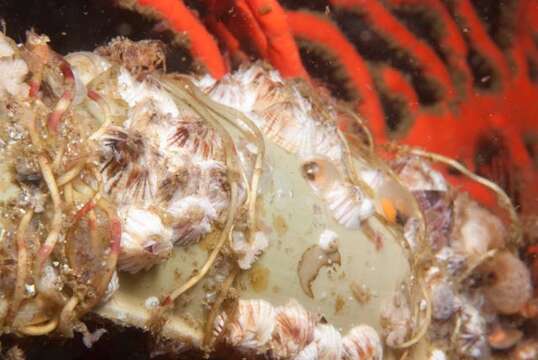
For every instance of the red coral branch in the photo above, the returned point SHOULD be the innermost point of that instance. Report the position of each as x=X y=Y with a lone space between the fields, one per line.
x=282 y=51
x=452 y=42
x=323 y=32
x=239 y=20
x=397 y=83
x=386 y=24
x=202 y=45
x=473 y=28
x=228 y=39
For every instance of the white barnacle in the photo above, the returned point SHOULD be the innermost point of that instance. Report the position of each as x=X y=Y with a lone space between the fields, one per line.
x=294 y=329
x=437 y=354
x=230 y=91
x=249 y=326
x=396 y=320
x=291 y=125
x=328 y=241
x=167 y=164
x=285 y=116
x=12 y=75
x=417 y=175
x=6 y=49
x=362 y=343
x=247 y=251
x=327 y=345
x=476 y=230
x=130 y=165
x=193 y=216
x=471 y=339
x=87 y=65
x=347 y=204
x=134 y=92
x=145 y=241
x=112 y=287
x=443 y=297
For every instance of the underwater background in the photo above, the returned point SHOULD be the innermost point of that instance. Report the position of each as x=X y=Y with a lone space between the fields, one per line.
x=463 y=83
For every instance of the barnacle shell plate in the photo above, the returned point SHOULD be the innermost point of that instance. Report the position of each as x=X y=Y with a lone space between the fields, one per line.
x=294 y=219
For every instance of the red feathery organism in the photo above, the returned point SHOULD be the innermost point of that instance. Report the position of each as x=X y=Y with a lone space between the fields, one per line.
x=457 y=77
x=338 y=48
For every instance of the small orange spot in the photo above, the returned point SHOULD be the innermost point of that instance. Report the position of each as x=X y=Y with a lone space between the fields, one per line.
x=389 y=210
x=279 y=224
x=339 y=304
x=378 y=241
x=259 y=278
x=498 y=335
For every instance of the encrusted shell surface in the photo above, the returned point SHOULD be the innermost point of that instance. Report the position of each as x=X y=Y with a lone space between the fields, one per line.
x=169 y=170
x=167 y=164
x=362 y=343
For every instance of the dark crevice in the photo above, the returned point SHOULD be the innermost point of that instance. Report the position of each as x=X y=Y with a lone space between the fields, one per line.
x=323 y=66
x=425 y=26
x=531 y=144
x=532 y=69
x=313 y=5
x=85 y=25
x=396 y=115
x=492 y=160
x=199 y=7
x=484 y=75
x=375 y=48
x=498 y=17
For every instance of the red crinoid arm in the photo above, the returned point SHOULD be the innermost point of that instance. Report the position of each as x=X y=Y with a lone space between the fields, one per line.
x=452 y=42
x=390 y=28
x=323 y=32
x=202 y=45
x=479 y=38
x=282 y=50
x=228 y=39
x=524 y=52
x=239 y=20
x=396 y=83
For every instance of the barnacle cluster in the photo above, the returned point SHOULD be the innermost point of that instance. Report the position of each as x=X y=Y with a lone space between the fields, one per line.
x=238 y=213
